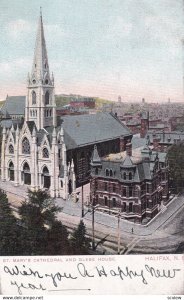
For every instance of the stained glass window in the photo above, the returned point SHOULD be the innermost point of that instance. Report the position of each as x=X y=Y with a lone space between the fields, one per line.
x=11 y=149
x=45 y=153
x=25 y=146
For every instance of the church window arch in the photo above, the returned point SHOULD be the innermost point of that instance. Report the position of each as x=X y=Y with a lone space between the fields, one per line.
x=25 y=146
x=11 y=149
x=107 y=172
x=33 y=97
x=26 y=174
x=47 y=96
x=46 y=177
x=11 y=171
x=111 y=173
x=124 y=176
x=45 y=152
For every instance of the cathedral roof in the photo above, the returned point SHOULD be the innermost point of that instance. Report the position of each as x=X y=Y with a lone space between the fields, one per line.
x=14 y=105
x=86 y=129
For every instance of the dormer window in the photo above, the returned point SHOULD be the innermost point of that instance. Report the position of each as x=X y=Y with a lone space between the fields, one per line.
x=124 y=176
x=130 y=176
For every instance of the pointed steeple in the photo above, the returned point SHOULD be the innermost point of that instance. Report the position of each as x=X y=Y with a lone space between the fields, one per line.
x=95 y=160
x=127 y=163
x=40 y=68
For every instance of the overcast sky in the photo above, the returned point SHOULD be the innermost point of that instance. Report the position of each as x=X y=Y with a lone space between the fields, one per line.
x=99 y=48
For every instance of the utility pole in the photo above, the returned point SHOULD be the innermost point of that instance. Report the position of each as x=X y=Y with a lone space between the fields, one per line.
x=119 y=239
x=93 y=216
x=93 y=225
x=82 y=200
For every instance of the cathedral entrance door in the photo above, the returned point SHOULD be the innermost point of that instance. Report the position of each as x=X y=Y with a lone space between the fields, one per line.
x=46 y=182
x=46 y=178
x=26 y=174
x=27 y=178
x=11 y=171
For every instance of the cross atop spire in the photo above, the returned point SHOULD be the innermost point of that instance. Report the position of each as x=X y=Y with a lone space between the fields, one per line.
x=40 y=68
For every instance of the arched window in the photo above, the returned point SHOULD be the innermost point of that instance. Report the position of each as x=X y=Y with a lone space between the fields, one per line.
x=130 y=176
x=124 y=176
x=46 y=98
x=33 y=97
x=45 y=153
x=11 y=171
x=26 y=168
x=11 y=149
x=25 y=146
x=46 y=178
x=61 y=184
x=107 y=172
x=45 y=171
x=26 y=174
x=111 y=173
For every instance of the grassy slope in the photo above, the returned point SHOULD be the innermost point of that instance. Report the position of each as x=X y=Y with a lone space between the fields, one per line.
x=62 y=100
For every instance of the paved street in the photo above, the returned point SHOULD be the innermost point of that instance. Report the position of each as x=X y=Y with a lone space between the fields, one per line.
x=162 y=229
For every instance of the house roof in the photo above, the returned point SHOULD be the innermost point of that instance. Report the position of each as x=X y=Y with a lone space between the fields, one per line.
x=14 y=105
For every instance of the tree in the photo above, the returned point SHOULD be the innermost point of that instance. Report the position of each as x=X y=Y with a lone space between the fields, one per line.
x=57 y=240
x=79 y=242
x=38 y=214
x=176 y=167
x=9 y=231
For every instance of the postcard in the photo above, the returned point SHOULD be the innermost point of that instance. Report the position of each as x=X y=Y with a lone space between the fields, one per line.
x=92 y=148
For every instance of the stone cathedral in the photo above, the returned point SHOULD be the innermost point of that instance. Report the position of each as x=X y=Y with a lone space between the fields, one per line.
x=34 y=153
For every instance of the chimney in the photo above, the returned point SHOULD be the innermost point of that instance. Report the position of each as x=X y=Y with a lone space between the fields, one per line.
x=156 y=141
x=129 y=148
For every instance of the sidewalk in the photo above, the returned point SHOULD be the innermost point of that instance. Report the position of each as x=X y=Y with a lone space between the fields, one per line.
x=72 y=209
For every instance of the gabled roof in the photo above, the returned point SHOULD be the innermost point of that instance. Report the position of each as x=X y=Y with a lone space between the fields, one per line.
x=83 y=130
x=127 y=163
x=95 y=156
x=14 y=105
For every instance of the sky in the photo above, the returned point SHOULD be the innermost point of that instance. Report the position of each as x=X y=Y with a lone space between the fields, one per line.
x=102 y=48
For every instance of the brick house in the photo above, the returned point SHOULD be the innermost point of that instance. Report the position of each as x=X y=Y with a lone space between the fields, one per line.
x=134 y=183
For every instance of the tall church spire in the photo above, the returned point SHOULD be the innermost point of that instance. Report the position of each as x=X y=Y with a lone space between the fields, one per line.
x=40 y=68
x=40 y=100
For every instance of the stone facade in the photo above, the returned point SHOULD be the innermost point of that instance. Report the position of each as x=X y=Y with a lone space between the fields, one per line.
x=34 y=153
